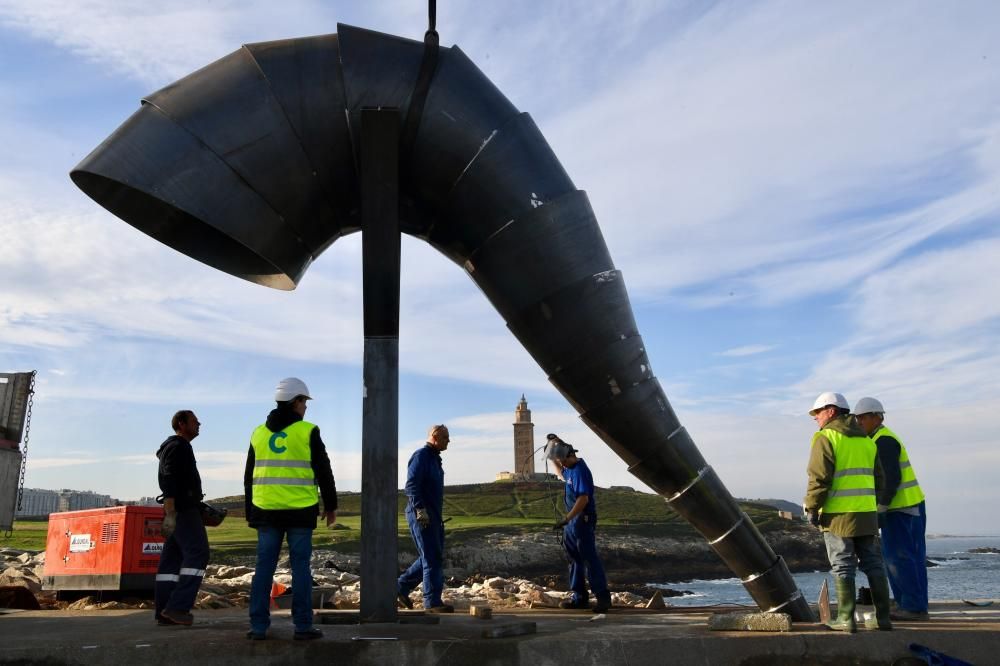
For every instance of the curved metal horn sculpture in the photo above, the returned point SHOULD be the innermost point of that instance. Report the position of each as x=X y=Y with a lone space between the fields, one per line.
x=248 y=165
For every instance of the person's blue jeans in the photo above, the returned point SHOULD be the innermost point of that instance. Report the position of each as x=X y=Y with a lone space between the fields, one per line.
x=182 y=564
x=300 y=553
x=428 y=568
x=580 y=544
x=905 y=549
x=846 y=554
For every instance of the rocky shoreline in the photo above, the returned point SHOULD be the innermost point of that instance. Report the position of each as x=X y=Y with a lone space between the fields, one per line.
x=498 y=568
x=631 y=561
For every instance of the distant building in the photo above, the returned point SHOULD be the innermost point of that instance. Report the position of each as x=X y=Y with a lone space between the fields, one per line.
x=77 y=500
x=38 y=502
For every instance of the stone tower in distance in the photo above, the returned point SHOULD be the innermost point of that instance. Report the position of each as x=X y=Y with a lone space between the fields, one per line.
x=524 y=441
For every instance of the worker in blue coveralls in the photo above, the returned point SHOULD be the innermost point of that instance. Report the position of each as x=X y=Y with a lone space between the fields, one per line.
x=425 y=492
x=579 y=527
x=902 y=515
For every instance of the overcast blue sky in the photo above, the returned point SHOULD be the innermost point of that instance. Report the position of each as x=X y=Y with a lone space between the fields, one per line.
x=802 y=197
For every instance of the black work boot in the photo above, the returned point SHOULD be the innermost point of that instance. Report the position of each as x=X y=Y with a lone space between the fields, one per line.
x=570 y=604
x=880 y=598
x=845 y=607
x=603 y=602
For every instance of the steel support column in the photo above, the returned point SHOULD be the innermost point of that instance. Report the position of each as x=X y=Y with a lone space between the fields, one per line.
x=380 y=244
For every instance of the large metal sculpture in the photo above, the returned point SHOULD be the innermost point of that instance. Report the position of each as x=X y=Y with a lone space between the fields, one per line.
x=249 y=165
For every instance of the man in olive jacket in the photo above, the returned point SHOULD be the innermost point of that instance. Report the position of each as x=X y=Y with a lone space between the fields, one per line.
x=844 y=478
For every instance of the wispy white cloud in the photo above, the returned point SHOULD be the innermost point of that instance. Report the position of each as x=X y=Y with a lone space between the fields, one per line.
x=755 y=142
x=155 y=44
x=46 y=462
x=924 y=331
x=746 y=350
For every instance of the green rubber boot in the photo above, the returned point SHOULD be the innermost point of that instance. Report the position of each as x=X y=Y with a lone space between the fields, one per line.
x=845 y=607
x=880 y=598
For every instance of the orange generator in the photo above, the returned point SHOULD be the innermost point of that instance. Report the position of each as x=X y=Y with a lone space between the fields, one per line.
x=117 y=548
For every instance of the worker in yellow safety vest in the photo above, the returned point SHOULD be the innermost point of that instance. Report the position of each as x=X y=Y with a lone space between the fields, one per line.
x=287 y=469
x=902 y=515
x=844 y=477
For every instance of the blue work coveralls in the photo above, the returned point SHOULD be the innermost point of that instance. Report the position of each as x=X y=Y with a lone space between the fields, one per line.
x=579 y=540
x=425 y=490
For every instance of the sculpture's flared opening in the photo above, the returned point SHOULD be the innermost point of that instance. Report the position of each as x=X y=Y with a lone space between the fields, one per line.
x=181 y=231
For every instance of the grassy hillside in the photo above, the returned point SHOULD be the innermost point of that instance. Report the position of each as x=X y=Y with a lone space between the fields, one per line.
x=473 y=509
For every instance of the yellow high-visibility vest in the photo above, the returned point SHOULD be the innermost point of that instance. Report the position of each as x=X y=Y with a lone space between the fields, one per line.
x=282 y=473
x=909 y=492
x=853 y=488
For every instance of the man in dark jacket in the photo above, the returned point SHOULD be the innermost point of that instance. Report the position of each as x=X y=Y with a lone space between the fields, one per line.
x=286 y=463
x=425 y=491
x=185 y=552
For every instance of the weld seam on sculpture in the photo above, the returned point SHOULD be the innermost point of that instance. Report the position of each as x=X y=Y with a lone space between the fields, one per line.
x=265 y=177
x=795 y=597
x=701 y=474
x=478 y=153
x=729 y=531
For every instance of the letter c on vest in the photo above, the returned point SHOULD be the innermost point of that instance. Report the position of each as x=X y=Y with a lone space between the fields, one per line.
x=273 y=442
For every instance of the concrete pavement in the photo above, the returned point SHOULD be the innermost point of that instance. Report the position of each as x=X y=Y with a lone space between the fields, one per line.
x=629 y=638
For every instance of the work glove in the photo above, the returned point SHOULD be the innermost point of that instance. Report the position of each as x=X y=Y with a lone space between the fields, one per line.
x=423 y=519
x=813 y=515
x=561 y=524
x=882 y=511
x=169 y=525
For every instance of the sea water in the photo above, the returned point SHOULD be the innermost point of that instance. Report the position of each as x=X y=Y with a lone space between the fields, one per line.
x=959 y=575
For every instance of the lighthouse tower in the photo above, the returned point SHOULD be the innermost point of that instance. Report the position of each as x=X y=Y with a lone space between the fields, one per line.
x=524 y=441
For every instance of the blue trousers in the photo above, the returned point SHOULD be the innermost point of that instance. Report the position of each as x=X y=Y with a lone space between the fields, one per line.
x=428 y=568
x=182 y=564
x=905 y=551
x=580 y=545
x=300 y=553
x=847 y=554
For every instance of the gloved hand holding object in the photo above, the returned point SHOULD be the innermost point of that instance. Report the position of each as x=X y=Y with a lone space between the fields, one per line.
x=169 y=525
x=560 y=524
x=812 y=515
x=423 y=518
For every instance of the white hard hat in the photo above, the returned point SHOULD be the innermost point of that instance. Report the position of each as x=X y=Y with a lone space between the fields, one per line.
x=869 y=406
x=830 y=398
x=291 y=388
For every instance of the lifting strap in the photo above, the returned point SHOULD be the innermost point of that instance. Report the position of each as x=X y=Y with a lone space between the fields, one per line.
x=415 y=111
